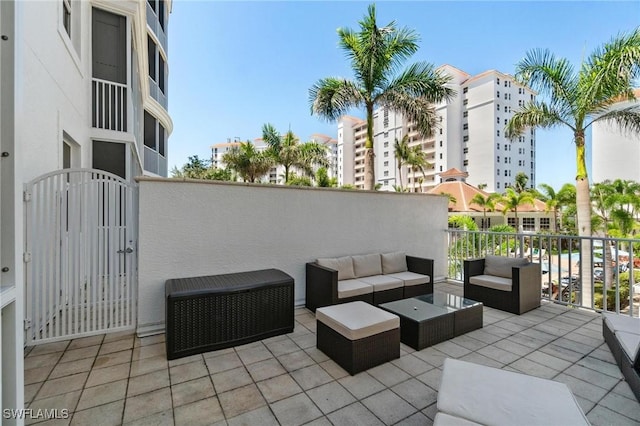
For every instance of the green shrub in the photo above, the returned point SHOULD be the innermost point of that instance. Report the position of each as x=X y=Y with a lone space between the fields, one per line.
x=611 y=295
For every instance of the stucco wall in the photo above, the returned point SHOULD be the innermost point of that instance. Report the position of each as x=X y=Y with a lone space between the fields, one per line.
x=204 y=228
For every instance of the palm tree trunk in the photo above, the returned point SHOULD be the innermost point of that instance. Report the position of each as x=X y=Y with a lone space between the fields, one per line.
x=583 y=204
x=369 y=156
x=286 y=174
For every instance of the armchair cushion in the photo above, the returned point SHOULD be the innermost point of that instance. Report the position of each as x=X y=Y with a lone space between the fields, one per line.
x=394 y=262
x=500 y=266
x=630 y=343
x=350 y=288
x=411 y=278
x=622 y=323
x=367 y=265
x=492 y=281
x=344 y=266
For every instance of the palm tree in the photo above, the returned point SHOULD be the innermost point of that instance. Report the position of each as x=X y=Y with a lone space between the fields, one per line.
x=401 y=152
x=487 y=203
x=376 y=53
x=247 y=161
x=512 y=199
x=555 y=201
x=418 y=161
x=576 y=100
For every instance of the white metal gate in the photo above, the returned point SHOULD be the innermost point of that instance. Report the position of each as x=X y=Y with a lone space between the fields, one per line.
x=80 y=259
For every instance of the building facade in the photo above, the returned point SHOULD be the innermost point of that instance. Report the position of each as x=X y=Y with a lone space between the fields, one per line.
x=470 y=137
x=84 y=86
x=615 y=153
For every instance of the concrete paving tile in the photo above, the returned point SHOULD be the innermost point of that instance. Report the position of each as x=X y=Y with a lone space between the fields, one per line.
x=431 y=356
x=320 y=421
x=584 y=404
x=240 y=401
x=388 y=406
x=548 y=360
x=562 y=353
x=84 y=342
x=431 y=378
x=149 y=351
x=624 y=389
x=102 y=394
x=148 y=365
x=100 y=376
x=264 y=369
x=116 y=346
x=222 y=362
x=603 y=416
x=149 y=340
x=231 y=379
x=295 y=410
x=61 y=385
x=469 y=342
x=310 y=377
x=69 y=368
x=528 y=341
x=354 y=415
x=68 y=401
x=48 y=348
x=163 y=418
x=46 y=360
x=282 y=347
x=388 y=374
x=191 y=391
x=148 y=382
x=581 y=388
x=452 y=349
x=316 y=354
x=610 y=369
x=591 y=376
x=418 y=419
x=113 y=358
x=533 y=368
x=261 y=416
x=575 y=346
x=499 y=355
x=186 y=372
x=296 y=360
x=361 y=385
x=621 y=405
x=185 y=360
x=334 y=370
x=603 y=355
x=330 y=397
x=200 y=413
x=37 y=375
x=416 y=393
x=483 y=336
x=147 y=404
x=430 y=412
x=80 y=353
x=256 y=354
x=477 y=358
x=107 y=414
x=277 y=388
x=512 y=346
x=30 y=392
x=305 y=341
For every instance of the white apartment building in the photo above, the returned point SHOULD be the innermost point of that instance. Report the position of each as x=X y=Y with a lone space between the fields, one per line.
x=332 y=152
x=84 y=111
x=470 y=137
x=615 y=153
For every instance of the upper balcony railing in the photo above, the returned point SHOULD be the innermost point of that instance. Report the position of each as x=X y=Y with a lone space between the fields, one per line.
x=154 y=23
x=109 y=105
x=561 y=257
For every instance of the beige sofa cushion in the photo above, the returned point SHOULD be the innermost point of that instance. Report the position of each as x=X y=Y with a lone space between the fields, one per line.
x=357 y=320
x=489 y=395
x=500 y=266
x=411 y=278
x=394 y=262
x=344 y=266
x=382 y=282
x=492 y=281
x=350 y=288
x=367 y=265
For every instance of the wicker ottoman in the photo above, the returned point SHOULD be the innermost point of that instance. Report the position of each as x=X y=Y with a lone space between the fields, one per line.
x=357 y=335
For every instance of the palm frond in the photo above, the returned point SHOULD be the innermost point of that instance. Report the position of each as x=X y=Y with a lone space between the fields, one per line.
x=421 y=80
x=534 y=114
x=626 y=119
x=331 y=98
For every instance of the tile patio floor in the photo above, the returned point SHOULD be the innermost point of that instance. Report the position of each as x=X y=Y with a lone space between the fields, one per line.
x=119 y=378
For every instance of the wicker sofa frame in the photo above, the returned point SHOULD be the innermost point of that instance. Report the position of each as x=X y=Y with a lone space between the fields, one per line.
x=220 y=311
x=525 y=291
x=322 y=286
x=630 y=368
x=361 y=354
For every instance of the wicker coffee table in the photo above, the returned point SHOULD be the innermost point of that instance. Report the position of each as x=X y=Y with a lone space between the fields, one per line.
x=433 y=318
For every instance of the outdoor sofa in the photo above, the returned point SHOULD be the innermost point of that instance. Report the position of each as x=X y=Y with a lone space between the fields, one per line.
x=505 y=283
x=372 y=278
x=622 y=334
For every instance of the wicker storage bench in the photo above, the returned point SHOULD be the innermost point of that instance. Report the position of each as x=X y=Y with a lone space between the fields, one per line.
x=219 y=311
x=357 y=335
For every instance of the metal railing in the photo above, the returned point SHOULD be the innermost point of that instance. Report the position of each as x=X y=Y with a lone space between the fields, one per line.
x=611 y=286
x=109 y=105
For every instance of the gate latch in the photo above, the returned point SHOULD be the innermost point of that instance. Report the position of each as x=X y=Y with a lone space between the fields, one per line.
x=127 y=250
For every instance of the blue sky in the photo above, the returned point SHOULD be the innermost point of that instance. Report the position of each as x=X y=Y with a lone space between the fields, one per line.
x=236 y=65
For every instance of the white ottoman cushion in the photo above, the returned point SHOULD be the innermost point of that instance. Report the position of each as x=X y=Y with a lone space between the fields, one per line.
x=350 y=288
x=630 y=343
x=411 y=278
x=492 y=396
x=492 y=281
x=444 y=419
x=382 y=282
x=622 y=323
x=357 y=320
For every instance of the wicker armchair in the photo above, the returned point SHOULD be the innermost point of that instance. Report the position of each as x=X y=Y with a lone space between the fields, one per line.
x=514 y=286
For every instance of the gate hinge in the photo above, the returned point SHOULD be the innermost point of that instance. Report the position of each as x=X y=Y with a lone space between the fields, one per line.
x=26 y=257
x=27 y=323
x=26 y=195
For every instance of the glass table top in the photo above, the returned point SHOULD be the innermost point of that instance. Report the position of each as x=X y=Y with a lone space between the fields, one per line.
x=428 y=306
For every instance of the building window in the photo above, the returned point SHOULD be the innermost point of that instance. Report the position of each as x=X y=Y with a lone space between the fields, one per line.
x=465 y=163
x=497 y=81
x=465 y=126
x=386 y=134
x=465 y=150
x=386 y=163
x=66 y=16
x=386 y=117
x=498 y=185
x=497 y=172
x=465 y=138
x=465 y=114
x=505 y=83
x=498 y=146
x=511 y=221
x=440 y=131
x=498 y=120
x=506 y=109
x=498 y=159
x=498 y=94
x=156 y=64
x=528 y=224
x=505 y=96
x=151 y=56
x=386 y=154
x=498 y=107
x=441 y=156
x=545 y=223
x=386 y=144
x=440 y=143
x=386 y=173
x=465 y=102
x=465 y=90
x=440 y=168
x=498 y=132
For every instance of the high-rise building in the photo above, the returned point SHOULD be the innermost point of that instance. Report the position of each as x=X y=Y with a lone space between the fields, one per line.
x=469 y=136
x=615 y=153
x=83 y=112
